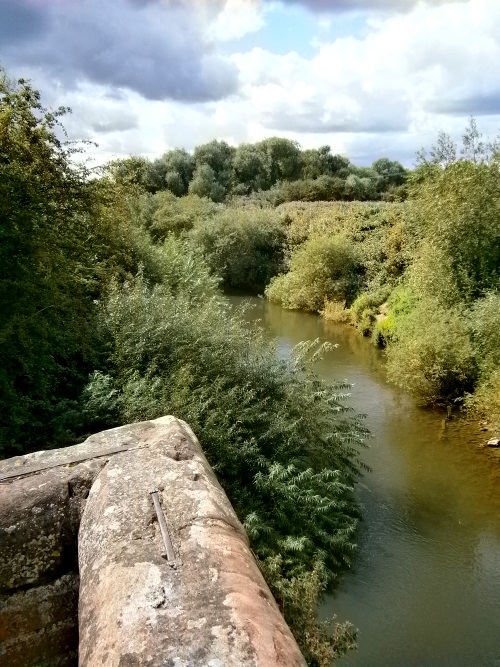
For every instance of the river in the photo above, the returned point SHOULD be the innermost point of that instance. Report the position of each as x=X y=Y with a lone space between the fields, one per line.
x=425 y=588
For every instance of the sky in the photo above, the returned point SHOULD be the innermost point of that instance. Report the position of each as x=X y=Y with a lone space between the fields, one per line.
x=369 y=78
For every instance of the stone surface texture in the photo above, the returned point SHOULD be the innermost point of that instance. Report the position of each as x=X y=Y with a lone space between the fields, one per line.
x=210 y=607
x=39 y=520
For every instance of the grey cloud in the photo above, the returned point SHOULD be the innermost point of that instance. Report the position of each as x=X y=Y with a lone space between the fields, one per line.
x=338 y=6
x=314 y=124
x=115 y=124
x=373 y=114
x=154 y=48
x=20 y=21
x=475 y=105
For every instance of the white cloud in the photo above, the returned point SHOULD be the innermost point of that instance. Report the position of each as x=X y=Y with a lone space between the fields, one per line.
x=395 y=79
x=237 y=19
x=386 y=92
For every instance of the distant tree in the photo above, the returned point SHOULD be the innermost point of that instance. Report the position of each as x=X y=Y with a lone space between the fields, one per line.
x=339 y=165
x=284 y=159
x=354 y=188
x=135 y=171
x=473 y=148
x=250 y=169
x=391 y=173
x=175 y=184
x=176 y=168
x=205 y=184
x=218 y=155
x=316 y=162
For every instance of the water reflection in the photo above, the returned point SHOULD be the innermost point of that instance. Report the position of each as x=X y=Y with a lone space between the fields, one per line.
x=425 y=590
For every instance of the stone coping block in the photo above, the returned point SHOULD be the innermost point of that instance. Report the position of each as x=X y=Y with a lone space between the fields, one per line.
x=166 y=574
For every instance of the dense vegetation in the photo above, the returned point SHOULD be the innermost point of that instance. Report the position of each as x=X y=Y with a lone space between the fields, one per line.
x=273 y=171
x=420 y=276
x=111 y=312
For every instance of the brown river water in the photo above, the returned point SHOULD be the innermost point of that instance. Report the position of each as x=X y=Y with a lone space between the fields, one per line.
x=425 y=588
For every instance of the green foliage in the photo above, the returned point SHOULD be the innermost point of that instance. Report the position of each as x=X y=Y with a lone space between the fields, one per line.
x=400 y=303
x=244 y=247
x=431 y=353
x=324 y=267
x=175 y=215
x=320 y=162
x=485 y=325
x=205 y=184
x=485 y=401
x=102 y=326
x=284 y=158
x=364 y=310
x=135 y=172
x=251 y=170
x=391 y=173
x=213 y=170
x=321 y=643
x=45 y=330
x=175 y=170
x=457 y=214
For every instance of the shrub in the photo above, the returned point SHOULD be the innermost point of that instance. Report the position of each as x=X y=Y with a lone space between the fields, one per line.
x=399 y=304
x=431 y=353
x=324 y=267
x=485 y=402
x=243 y=246
x=457 y=212
x=335 y=311
x=485 y=324
x=175 y=215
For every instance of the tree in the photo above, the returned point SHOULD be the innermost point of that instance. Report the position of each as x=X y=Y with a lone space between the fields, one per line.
x=250 y=169
x=136 y=171
x=284 y=158
x=45 y=206
x=218 y=155
x=457 y=212
x=391 y=173
x=176 y=167
x=205 y=184
x=473 y=148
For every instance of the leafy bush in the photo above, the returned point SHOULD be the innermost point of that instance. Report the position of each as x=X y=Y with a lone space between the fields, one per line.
x=45 y=327
x=485 y=324
x=431 y=353
x=243 y=246
x=335 y=311
x=485 y=401
x=323 y=642
x=400 y=303
x=457 y=212
x=175 y=215
x=322 y=268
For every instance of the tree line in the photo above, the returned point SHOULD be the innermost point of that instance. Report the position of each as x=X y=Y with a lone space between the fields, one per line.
x=276 y=168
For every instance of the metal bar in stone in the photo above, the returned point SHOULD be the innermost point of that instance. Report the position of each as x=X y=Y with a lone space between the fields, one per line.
x=24 y=470
x=169 y=549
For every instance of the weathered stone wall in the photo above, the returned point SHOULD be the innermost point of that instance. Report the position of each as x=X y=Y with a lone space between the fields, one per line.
x=206 y=606
x=39 y=520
